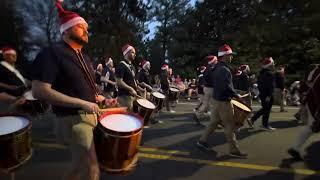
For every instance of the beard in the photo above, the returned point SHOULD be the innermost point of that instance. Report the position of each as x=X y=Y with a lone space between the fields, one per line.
x=77 y=39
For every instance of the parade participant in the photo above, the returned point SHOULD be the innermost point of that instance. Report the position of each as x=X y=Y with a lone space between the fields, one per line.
x=144 y=77
x=125 y=78
x=241 y=82
x=11 y=80
x=222 y=110
x=312 y=104
x=278 y=94
x=108 y=78
x=64 y=77
x=265 y=85
x=200 y=84
x=165 y=85
x=208 y=85
x=98 y=75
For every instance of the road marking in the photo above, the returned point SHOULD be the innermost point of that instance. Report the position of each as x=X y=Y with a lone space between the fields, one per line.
x=229 y=164
x=192 y=160
x=144 y=149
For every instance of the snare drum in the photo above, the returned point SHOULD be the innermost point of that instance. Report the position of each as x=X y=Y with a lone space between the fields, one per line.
x=241 y=112
x=116 y=138
x=33 y=106
x=15 y=141
x=144 y=108
x=158 y=99
x=173 y=93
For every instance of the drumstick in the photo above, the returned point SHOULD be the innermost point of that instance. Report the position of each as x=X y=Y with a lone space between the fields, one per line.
x=140 y=97
x=245 y=95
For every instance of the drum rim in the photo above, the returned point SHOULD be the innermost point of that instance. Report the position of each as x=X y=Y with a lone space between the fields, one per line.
x=242 y=104
x=123 y=113
x=136 y=101
x=117 y=133
x=28 y=127
x=158 y=97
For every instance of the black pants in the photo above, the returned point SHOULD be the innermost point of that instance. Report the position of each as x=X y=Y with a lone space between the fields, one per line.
x=264 y=111
x=166 y=100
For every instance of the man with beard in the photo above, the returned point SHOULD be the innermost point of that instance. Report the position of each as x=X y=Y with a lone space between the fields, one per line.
x=125 y=78
x=223 y=111
x=64 y=77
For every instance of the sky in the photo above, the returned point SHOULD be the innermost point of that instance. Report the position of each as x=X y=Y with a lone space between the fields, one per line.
x=153 y=25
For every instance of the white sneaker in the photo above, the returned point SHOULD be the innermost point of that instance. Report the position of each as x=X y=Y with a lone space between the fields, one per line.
x=268 y=128
x=172 y=111
x=188 y=99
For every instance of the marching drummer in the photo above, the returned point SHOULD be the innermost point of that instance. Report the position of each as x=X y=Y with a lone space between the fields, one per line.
x=108 y=78
x=60 y=77
x=223 y=109
x=125 y=78
x=11 y=80
x=165 y=85
x=143 y=76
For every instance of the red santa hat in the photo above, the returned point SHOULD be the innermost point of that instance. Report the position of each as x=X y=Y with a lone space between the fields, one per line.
x=225 y=50
x=68 y=18
x=212 y=59
x=202 y=69
x=165 y=67
x=238 y=72
x=244 y=68
x=267 y=62
x=126 y=48
x=144 y=63
x=8 y=50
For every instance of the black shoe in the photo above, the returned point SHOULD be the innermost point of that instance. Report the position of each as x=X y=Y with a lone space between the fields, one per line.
x=203 y=145
x=250 y=123
x=295 y=154
x=238 y=154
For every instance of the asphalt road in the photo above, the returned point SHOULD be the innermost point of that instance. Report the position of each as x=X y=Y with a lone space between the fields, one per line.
x=169 y=152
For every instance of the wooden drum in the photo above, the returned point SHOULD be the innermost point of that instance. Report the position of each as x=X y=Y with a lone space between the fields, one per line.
x=144 y=108
x=116 y=138
x=15 y=141
x=241 y=112
x=158 y=99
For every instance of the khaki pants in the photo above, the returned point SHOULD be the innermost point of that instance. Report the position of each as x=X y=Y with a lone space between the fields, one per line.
x=206 y=100
x=222 y=112
x=278 y=97
x=77 y=132
x=126 y=101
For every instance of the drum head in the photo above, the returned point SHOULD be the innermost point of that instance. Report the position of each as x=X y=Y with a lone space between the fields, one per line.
x=11 y=124
x=121 y=122
x=28 y=95
x=158 y=95
x=145 y=103
x=174 y=89
x=240 y=105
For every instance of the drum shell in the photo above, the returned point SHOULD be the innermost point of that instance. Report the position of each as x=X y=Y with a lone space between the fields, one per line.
x=157 y=101
x=240 y=115
x=173 y=95
x=15 y=148
x=142 y=111
x=116 y=151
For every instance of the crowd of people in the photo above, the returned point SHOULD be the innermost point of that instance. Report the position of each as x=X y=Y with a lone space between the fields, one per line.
x=63 y=76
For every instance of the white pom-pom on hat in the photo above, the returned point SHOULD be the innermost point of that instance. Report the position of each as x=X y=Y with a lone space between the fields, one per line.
x=60 y=0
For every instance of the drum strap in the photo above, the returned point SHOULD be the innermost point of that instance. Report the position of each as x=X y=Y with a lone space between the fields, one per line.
x=132 y=72
x=13 y=70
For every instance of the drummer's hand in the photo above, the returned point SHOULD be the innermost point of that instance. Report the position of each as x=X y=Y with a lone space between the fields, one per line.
x=90 y=107
x=100 y=98
x=19 y=102
x=133 y=92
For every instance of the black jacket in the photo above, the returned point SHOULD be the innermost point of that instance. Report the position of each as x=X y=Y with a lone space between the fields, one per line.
x=265 y=83
x=222 y=83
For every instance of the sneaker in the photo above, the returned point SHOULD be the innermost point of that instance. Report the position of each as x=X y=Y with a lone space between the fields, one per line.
x=203 y=145
x=194 y=110
x=238 y=154
x=250 y=123
x=146 y=127
x=188 y=99
x=295 y=154
x=172 y=111
x=268 y=128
